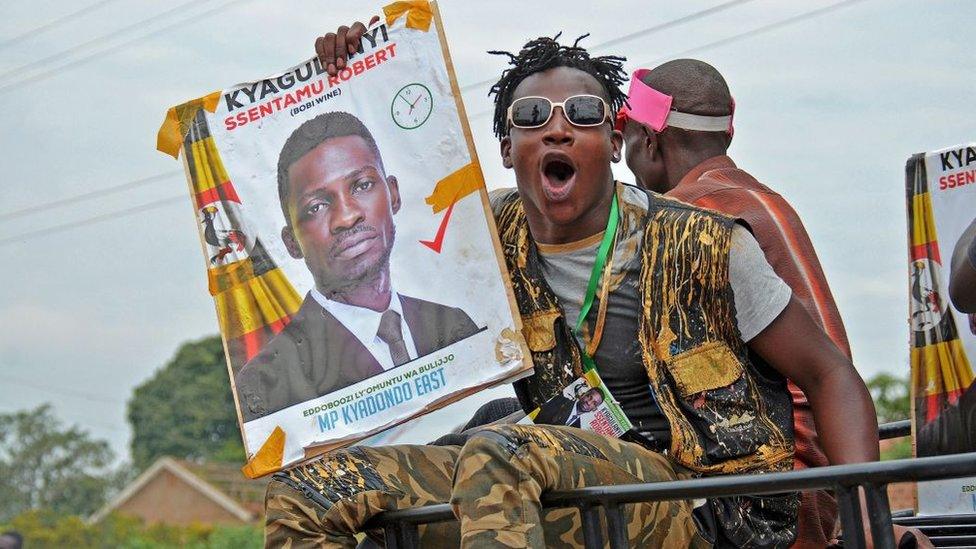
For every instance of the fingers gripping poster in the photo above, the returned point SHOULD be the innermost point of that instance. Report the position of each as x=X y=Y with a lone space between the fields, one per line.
x=941 y=194
x=348 y=241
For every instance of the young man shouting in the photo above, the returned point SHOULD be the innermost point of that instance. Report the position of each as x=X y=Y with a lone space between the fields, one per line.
x=689 y=327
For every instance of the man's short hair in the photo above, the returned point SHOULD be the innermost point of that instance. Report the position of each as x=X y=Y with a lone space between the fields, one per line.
x=599 y=391
x=696 y=86
x=581 y=390
x=311 y=134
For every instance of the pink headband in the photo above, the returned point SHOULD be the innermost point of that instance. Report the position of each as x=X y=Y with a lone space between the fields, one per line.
x=653 y=109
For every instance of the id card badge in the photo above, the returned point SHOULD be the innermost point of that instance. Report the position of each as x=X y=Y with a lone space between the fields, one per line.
x=587 y=404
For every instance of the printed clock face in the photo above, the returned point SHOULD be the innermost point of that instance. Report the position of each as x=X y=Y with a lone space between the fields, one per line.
x=412 y=106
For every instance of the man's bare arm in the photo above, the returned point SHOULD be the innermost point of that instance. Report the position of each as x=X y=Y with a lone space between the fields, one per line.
x=962 y=281
x=842 y=407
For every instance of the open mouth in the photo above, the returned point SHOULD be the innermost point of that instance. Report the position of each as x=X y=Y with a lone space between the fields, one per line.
x=558 y=176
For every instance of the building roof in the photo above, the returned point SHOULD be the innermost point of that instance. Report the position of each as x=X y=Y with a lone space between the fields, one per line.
x=228 y=478
x=223 y=484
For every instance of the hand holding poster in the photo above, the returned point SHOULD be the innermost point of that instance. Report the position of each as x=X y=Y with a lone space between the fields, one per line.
x=349 y=245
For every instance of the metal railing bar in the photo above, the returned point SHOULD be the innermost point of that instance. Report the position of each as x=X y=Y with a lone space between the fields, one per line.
x=592 y=536
x=879 y=515
x=616 y=529
x=409 y=536
x=947 y=529
x=952 y=541
x=849 y=509
x=937 y=521
x=895 y=429
x=401 y=526
x=427 y=514
x=929 y=468
x=921 y=469
x=442 y=512
x=391 y=536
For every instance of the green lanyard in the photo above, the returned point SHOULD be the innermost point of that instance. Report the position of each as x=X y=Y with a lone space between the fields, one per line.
x=598 y=266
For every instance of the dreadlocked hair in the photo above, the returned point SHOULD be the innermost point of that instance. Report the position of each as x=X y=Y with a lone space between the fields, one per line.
x=545 y=53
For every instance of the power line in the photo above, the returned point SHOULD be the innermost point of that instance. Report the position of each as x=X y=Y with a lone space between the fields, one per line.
x=60 y=391
x=656 y=28
x=667 y=24
x=71 y=393
x=101 y=39
x=77 y=62
x=94 y=41
x=650 y=30
x=673 y=23
x=761 y=30
x=92 y=220
x=52 y=24
x=89 y=195
x=735 y=38
x=84 y=425
x=725 y=41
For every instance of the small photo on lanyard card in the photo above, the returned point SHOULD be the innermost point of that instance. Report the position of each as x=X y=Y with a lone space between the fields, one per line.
x=585 y=404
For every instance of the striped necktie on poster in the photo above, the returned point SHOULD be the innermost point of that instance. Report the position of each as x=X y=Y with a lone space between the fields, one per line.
x=391 y=333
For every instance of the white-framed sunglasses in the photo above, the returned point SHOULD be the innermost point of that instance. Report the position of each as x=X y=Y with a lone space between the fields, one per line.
x=583 y=110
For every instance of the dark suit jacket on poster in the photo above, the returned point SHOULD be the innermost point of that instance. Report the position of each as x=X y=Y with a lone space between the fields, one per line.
x=316 y=354
x=557 y=411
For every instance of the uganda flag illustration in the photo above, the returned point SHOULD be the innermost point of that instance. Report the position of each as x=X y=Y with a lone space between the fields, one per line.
x=940 y=369
x=254 y=299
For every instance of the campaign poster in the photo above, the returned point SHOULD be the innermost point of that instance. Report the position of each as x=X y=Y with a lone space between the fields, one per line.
x=941 y=193
x=349 y=243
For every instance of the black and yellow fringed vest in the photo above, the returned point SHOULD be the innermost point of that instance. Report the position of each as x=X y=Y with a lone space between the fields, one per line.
x=729 y=411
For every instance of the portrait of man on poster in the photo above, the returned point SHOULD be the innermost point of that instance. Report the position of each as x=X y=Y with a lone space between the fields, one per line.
x=339 y=204
x=561 y=410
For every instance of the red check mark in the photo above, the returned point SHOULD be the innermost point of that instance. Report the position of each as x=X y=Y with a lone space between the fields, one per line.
x=439 y=239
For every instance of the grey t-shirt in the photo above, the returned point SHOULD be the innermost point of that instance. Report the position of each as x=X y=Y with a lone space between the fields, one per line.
x=759 y=294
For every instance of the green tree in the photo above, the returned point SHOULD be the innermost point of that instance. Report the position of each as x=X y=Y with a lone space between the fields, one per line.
x=45 y=528
x=186 y=409
x=893 y=403
x=891 y=397
x=45 y=465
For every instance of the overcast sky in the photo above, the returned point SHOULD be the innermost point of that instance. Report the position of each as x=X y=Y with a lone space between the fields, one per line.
x=828 y=110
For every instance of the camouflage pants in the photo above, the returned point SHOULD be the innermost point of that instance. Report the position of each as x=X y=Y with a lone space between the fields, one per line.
x=493 y=483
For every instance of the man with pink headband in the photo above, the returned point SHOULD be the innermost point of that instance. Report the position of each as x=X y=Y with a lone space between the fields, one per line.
x=677 y=129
